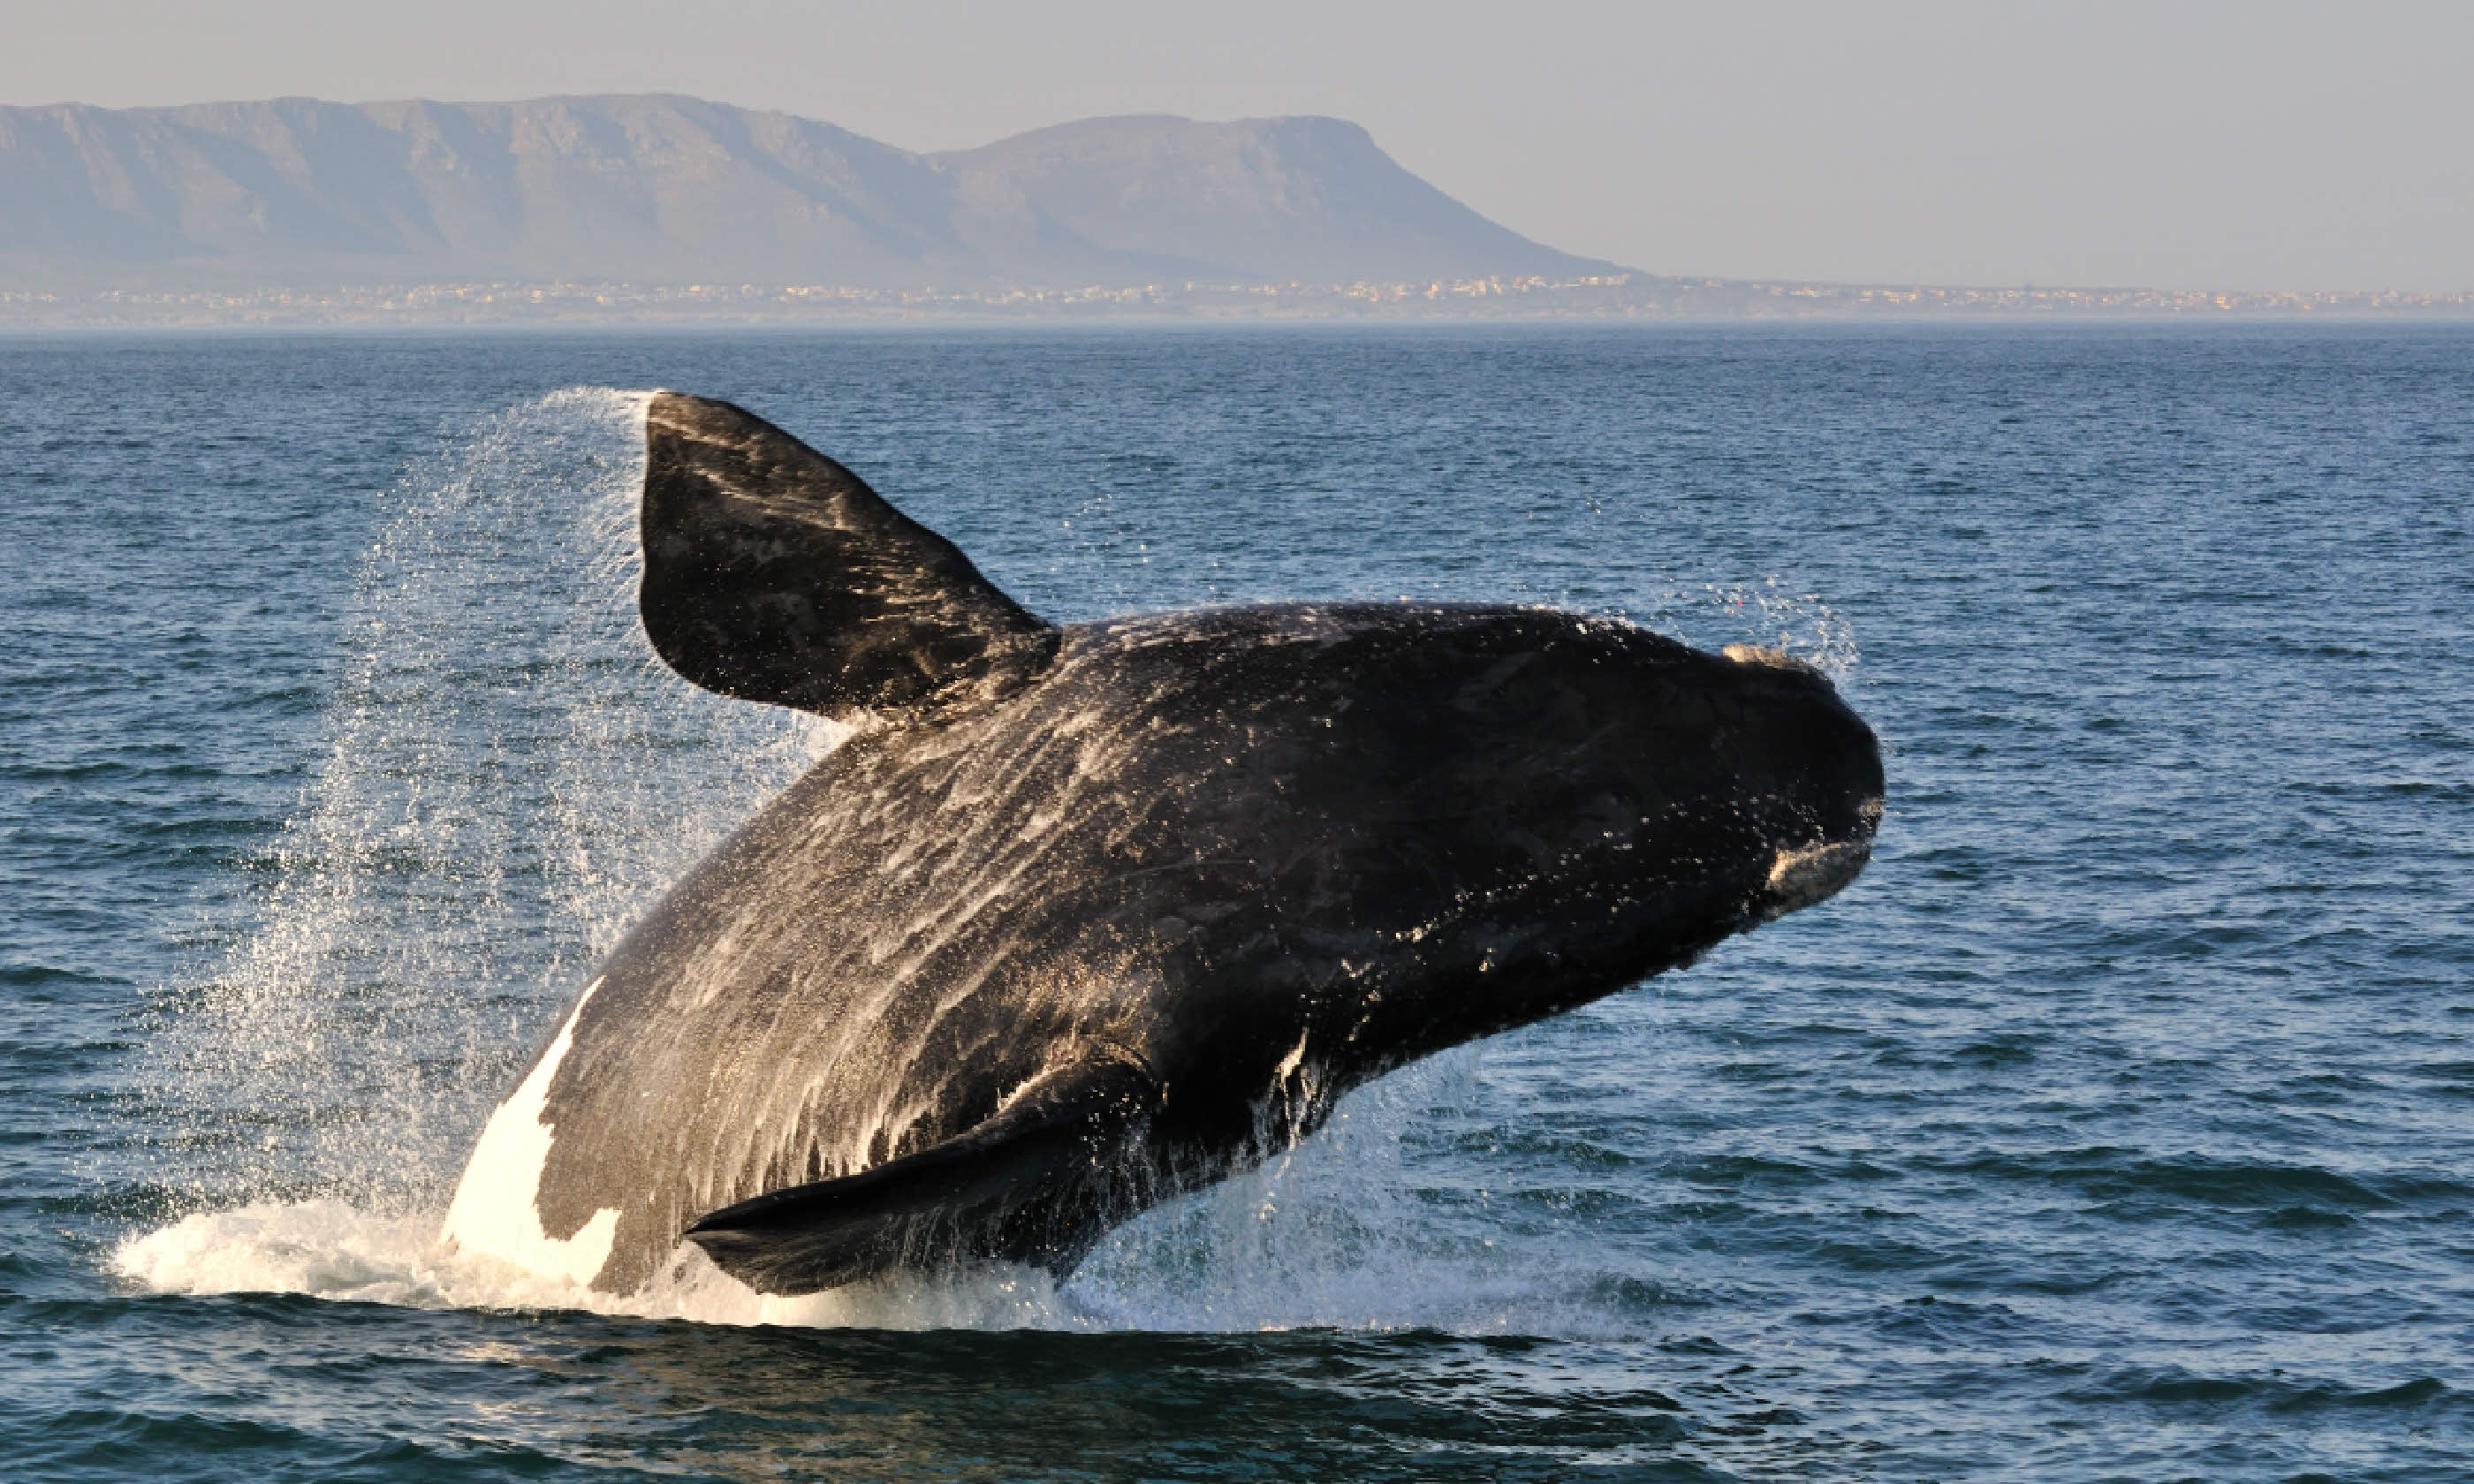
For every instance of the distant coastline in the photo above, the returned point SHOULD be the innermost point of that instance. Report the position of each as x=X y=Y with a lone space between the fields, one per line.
x=657 y=210
x=1613 y=298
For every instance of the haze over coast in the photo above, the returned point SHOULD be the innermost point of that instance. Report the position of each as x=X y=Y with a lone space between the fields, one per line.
x=658 y=208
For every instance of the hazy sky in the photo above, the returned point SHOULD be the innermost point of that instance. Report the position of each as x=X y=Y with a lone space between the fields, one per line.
x=2262 y=145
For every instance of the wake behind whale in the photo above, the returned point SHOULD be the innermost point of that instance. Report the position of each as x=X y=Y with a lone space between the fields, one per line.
x=1088 y=917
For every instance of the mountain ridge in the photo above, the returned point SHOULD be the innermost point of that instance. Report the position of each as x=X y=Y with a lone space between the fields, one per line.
x=670 y=189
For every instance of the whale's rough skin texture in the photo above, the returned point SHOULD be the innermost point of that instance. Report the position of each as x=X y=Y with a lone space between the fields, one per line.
x=1128 y=905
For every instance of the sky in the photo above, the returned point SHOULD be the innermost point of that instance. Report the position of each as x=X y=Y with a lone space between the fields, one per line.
x=2266 y=145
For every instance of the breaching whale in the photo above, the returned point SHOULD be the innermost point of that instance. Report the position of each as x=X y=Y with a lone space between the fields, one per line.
x=1086 y=916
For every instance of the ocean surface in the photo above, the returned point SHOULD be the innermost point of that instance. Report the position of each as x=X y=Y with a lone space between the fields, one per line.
x=2118 y=1124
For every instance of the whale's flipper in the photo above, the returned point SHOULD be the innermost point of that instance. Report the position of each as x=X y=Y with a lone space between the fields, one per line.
x=772 y=573
x=1035 y=1184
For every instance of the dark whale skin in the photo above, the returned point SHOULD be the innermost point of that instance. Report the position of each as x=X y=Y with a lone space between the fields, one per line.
x=1097 y=915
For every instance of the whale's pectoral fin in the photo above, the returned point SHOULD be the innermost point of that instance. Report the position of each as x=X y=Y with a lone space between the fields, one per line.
x=1036 y=1183
x=772 y=573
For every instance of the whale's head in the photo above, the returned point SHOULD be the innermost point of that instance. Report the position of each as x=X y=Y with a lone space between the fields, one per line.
x=1824 y=769
x=1795 y=781
x=1438 y=821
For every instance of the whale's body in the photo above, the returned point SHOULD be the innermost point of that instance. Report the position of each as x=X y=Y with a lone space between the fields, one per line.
x=1091 y=916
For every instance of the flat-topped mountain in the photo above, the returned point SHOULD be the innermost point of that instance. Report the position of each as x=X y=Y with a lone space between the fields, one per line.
x=662 y=189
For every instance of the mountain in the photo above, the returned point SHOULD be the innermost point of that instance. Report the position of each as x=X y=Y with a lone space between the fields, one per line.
x=660 y=189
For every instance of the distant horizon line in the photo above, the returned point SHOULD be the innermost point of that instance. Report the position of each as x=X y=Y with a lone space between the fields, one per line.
x=1514 y=282
x=1605 y=299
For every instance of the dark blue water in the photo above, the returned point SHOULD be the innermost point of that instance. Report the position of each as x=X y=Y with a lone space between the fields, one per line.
x=2118 y=1124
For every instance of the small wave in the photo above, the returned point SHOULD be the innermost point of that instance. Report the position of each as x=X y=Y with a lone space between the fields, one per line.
x=2171 y=1385
x=2115 y=1175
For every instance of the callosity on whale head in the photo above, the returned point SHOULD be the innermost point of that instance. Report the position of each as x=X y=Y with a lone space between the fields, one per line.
x=1086 y=917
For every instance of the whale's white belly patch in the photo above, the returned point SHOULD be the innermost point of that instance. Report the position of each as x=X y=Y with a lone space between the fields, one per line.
x=494 y=1212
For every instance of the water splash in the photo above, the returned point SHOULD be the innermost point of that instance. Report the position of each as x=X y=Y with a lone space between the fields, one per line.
x=334 y=1250
x=1767 y=613
x=1713 y=615
x=1336 y=1233
x=510 y=778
